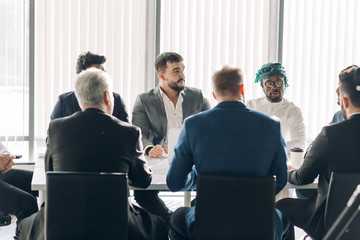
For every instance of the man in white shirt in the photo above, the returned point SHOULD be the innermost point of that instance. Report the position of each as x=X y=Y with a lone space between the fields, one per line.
x=273 y=80
x=162 y=108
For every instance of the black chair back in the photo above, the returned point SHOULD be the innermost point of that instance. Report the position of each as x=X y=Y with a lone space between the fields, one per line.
x=86 y=206
x=234 y=207
x=346 y=217
x=342 y=186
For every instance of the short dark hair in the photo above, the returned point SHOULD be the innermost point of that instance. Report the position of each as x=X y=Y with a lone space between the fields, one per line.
x=87 y=59
x=350 y=83
x=163 y=58
x=227 y=81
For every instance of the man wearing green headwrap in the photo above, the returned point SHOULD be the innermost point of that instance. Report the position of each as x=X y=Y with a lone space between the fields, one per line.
x=273 y=80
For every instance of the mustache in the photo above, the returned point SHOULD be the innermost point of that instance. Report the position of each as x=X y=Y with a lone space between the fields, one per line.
x=181 y=80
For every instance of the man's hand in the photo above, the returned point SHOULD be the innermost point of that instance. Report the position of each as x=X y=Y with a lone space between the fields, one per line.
x=156 y=151
x=6 y=162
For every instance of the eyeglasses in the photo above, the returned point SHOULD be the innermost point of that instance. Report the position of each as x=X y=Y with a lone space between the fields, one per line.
x=278 y=83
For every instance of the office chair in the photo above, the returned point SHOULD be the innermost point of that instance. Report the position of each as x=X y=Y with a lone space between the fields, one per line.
x=346 y=217
x=234 y=207
x=86 y=206
x=338 y=211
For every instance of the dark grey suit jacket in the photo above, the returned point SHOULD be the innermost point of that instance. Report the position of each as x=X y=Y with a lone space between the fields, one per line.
x=67 y=104
x=149 y=112
x=335 y=149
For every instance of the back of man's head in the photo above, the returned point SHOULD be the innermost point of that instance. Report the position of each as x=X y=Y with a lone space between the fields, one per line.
x=350 y=84
x=86 y=60
x=227 y=81
x=91 y=86
x=162 y=59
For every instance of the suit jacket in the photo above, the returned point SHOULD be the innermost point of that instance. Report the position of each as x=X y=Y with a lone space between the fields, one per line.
x=67 y=104
x=335 y=149
x=229 y=138
x=149 y=112
x=92 y=141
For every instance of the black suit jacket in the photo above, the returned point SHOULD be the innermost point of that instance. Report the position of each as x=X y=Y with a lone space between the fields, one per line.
x=92 y=141
x=335 y=149
x=67 y=104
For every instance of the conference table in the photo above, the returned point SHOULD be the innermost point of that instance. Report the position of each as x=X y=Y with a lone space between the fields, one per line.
x=159 y=166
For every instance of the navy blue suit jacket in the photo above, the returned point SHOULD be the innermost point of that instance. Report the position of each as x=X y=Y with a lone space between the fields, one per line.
x=229 y=138
x=67 y=104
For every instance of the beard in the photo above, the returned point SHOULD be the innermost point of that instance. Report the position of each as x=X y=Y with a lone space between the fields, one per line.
x=275 y=96
x=174 y=86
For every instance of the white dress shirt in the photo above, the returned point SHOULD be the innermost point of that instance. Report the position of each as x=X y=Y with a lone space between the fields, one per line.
x=174 y=114
x=291 y=119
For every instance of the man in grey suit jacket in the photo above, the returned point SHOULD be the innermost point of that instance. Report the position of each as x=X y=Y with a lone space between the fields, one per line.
x=160 y=109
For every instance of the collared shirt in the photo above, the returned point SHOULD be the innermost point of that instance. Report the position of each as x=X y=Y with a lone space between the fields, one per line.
x=355 y=113
x=292 y=121
x=3 y=148
x=174 y=114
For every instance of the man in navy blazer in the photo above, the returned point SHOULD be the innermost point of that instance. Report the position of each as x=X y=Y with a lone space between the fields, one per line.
x=67 y=104
x=230 y=138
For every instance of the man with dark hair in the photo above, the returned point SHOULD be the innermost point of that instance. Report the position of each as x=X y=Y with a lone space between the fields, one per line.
x=67 y=104
x=87 y=60
x=230 y=138
x=334 y=149
x=273 y=80
x=94 y=141
x=160 y=109
x=16 y=196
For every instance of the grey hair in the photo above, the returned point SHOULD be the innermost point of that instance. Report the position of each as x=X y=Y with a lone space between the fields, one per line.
x=91 y=85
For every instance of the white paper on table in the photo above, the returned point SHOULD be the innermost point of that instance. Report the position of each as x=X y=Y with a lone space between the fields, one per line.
x=159 y=165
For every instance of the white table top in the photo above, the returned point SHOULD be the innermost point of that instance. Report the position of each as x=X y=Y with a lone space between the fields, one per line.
x=159 y=166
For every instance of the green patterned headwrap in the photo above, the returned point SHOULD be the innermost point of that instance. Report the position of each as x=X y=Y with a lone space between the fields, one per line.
x=271 y=69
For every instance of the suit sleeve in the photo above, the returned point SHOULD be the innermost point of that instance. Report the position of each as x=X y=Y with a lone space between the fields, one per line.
x=297 y=130
x=279 y=168
x=57 y=111
x=314 y=162
x=139 y=174
x=122 y=112
x=48 y=157
x=141 y=120
x=181 y=175
x=206 y=104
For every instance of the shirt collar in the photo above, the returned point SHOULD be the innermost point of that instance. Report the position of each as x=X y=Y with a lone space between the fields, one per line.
x=162 y=93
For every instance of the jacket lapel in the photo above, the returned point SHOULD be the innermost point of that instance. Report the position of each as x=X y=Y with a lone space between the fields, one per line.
x=186 y=104
x=158 y=104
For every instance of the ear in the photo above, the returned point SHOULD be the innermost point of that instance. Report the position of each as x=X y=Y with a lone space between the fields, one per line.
x=107 y=98
x=161 y=76
x=213 y=93
x=242 y=89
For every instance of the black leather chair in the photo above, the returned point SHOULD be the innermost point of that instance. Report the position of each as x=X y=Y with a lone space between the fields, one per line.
x=234 y=207
x=86 y=206
x=341 y=188
x=346 y=217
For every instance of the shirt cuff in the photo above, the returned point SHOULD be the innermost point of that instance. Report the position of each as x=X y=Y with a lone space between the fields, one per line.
x=147 y=149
